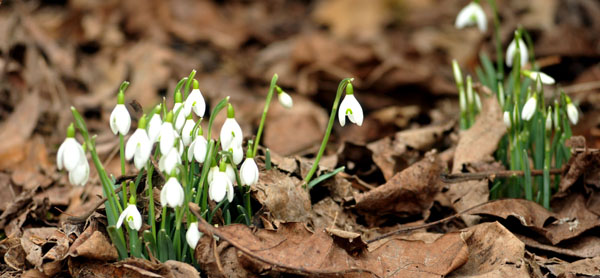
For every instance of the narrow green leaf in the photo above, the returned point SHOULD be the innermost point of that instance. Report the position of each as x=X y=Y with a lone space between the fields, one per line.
x=117 y=241
x=325 y=176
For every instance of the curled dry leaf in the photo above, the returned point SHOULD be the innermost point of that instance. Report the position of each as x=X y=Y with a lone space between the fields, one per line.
x=560 y=268
x=569 y=221
x=95 y=247
x=283 y=196
x=493 y=252
x=393 y=154
x=293 y=249
x=12 y=253
x=409 y=192
x=45 y=248
x=476 y=145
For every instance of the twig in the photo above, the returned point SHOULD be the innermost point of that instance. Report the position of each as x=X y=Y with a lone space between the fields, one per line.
x=431 y=224
x=206 y=228
x=460 y=177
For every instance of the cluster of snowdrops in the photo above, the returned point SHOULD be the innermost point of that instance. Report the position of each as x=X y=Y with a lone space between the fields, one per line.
x=196 y=167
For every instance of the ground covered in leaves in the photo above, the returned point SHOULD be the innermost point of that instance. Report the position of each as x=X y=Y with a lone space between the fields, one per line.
x=366 y=221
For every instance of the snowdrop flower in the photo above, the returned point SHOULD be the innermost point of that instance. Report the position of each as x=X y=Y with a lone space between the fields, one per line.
x=529 y=109
x=230 y=173
x=139 y=145
x=249 y=172
x=572 y=112
x=231 y=132
x=186 y=132
x=168 y=163
x=172 y=193
x=220 y=185
x=507 y=119
x=81 y=173
x=237 y=152
x=120 y=121
x=478 y=102
x=533 y=75
x=549 y=119
x=211 y=173
x=154 y=126
x=167 y=135
x=470 y=15
x=195 y=101
x=193 y=235
x=178 y=112
x=350 y=107
x=133 y=217
x=197 y=149
x=70 y=151
x=284 y=99
x=512 y=48
x=456 y=71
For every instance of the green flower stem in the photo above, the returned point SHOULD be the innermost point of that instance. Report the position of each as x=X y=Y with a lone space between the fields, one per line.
x=122 y=153
x=264 y=114
x=499 y=54
x=150 y=193
x=546 y=171
x=210 y=151
x=188 y=82
x=334 y=109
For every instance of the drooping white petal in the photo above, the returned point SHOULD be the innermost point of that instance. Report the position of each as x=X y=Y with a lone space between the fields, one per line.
x=285 y=100
x=249 y=172
x=230 y=132
x=143 y=149
x=572 y=113
x=192 y=236
x=120 y=121
x=549 y=120
x=218 y=187
x=167 y=137
x=230 y=192
x=230 y=173
x=471 y=14
x=172 y=193
x=351 y=108
x=506 y=117
x=81 y=173
x=179 y=115
x=199 y=149
x=529 y=109
x=211 y=174
x=510 y=52
x=546 y=79
x=186 y=132
x=169 y=162
x=131 y=144
x=154 y=127
x=132 y=216
x=196 y=102
x=69 y=154
x=237 y=152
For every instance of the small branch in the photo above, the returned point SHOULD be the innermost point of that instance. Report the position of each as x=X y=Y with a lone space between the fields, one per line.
x=460 y=177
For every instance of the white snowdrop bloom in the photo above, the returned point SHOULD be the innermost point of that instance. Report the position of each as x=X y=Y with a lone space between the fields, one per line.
x=478 y=102
x=166 y=137
x=69 y=154
x=132 y=216
x=139 y=146
x=219 y=187
x=237 y=152
x=470 y=15
x=172 y=193
x=154 y=127
x=195 y=102
x=179 y=116
x=572 y=112
x=197 y=149
x=120 y=121
x=510 y=52
x=285 y=99
x=211 y=174
x=192 y=236
x=457 y=73
x=351 y=108
x=81 y=173
x=249 y=172
x=549 y=119
x=529 y=109
x=230 y=131
x=546 y=79
x=186 y=132
x=507 y=119
x=230 y=173
x=168 y=163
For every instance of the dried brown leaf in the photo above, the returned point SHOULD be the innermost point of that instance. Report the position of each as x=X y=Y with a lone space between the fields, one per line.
x=283 y=196
x=409 y=192
x=16 y=129
x=46 y=248
x=296 y=250
x=558 y=268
